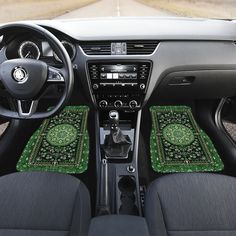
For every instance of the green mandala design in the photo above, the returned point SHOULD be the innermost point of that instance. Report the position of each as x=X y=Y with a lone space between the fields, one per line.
x=60 y=144
x=177 y=144
x=178 y=134
x=62 y=135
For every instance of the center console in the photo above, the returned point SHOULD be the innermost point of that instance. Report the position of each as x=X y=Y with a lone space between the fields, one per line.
x=119 y=190
x=118 y=90
x=119 y=84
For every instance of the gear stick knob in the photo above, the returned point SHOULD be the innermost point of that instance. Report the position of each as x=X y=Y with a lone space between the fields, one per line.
x=114 y=119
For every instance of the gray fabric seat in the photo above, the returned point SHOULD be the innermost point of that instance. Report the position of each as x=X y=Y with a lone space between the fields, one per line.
x=192 y=205
x=41 y=203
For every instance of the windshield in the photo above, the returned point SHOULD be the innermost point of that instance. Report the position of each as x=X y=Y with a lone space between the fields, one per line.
x=12 y=10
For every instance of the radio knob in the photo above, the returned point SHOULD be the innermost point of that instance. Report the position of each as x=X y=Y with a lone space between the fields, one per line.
x=133 y=104
x=95 y=86
x=118 y=104
x=142 y=86
x=103 y=104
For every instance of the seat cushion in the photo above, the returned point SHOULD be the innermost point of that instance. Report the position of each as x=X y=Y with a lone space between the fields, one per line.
x=43 y=203
x=192 y=204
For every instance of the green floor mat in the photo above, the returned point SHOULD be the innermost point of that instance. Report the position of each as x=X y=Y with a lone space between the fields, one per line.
x=177 y=143
x=61 y=144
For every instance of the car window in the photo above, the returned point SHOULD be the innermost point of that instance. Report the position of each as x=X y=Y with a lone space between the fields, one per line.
x=12 y=10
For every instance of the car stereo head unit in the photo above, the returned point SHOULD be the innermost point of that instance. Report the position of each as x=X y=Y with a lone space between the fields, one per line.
x=118 y=72
x=119 y=84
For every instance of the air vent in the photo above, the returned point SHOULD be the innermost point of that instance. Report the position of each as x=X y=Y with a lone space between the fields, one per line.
x=141 y=47
x=133 y=47
x=96 y=48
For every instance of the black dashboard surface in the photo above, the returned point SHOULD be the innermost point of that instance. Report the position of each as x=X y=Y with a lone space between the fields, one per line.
x=193 y=57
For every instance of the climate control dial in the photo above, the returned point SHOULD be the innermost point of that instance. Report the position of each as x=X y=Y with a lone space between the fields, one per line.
x=103 y=104
x=133 y=104
x=118 y=104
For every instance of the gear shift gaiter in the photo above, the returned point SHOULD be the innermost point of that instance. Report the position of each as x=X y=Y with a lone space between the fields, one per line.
x=116 y=144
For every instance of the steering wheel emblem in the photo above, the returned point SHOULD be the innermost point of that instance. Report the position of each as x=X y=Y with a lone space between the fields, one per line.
x=20 y=75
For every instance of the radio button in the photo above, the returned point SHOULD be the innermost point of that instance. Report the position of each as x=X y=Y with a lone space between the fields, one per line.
x=109 y=75
x=103 y=104
x=118 y=104
x=95 y=86
x=115 y=76
x=143 y=69
x=121 y=76
x=93 y=67
x=142 y=86
x=103 y=76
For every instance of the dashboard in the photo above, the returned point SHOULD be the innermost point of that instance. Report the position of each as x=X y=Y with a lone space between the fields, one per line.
x=122 y=63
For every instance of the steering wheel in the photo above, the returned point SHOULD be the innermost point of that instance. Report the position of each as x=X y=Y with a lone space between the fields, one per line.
x=25 y=79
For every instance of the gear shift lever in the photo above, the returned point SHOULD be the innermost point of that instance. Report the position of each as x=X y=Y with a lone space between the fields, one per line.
x=116 y=144
x=114 y=120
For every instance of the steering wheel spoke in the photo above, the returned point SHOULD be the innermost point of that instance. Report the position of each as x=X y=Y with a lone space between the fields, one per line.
x=55 y=75
x=27 y=108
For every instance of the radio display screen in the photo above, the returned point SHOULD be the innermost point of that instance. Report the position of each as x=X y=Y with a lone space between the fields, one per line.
x=119 y=71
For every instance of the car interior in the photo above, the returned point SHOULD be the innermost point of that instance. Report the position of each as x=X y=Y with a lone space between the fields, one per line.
x=118 y=126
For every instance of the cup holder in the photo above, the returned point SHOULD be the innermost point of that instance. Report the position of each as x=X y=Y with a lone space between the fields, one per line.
x=127 y=187
x=124 y=197
x=127 y=184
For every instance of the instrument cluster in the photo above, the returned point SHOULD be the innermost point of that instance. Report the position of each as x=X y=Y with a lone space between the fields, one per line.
x=38 y=49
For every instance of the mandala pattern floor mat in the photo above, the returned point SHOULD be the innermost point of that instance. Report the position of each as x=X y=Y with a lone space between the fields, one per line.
x=61 y=144
x=177 y=143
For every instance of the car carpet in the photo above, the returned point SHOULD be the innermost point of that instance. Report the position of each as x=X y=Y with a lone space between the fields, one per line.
x=60 y=144
x=177 y=144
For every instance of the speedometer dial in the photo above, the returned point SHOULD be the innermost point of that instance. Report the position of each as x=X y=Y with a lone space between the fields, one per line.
x=29 y=50
x=70 y=48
